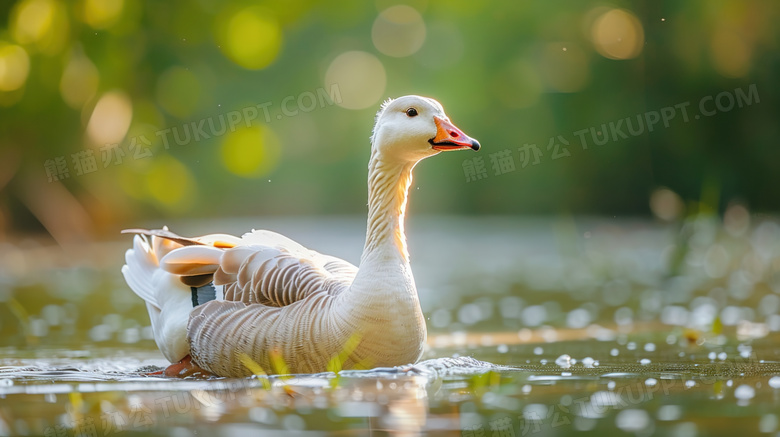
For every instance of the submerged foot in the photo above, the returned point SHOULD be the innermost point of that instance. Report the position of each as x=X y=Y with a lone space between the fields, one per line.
x=183 y=369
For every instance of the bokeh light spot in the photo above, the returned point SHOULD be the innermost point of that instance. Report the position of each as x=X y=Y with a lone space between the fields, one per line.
x=178 y=92
x=79 y=81
x=618 y=34
x=110 y=119
x=252 y=152
x=731 y=53
x=14 y=67
x=250 y=37
x=33 y=20
x=666 y=204
x=102 y=14
x=40 y=22
x=170 y=183
x=398 y=31
x=360 y=77
x=736 y=220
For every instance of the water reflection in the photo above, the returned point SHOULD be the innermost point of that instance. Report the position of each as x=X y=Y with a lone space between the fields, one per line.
x=437 y=395
x=94 y=393
x=590 y=325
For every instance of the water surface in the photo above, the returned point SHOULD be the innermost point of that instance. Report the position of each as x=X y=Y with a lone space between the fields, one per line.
x=536 y=327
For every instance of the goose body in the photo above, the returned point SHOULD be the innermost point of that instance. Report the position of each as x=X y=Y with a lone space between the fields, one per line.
x=263 y=301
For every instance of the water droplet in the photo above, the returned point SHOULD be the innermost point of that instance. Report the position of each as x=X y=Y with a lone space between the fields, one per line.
x=563 y=361
x=669 y=412
x=502 y=348
x=744 y=392
x=774 y=382
x=632 y=420
x=651 y=382
x=535 y=410
x=588 y=362
x=644 y=361
x=538 y=350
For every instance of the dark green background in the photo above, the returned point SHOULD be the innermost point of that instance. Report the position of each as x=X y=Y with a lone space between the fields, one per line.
x=466 y=62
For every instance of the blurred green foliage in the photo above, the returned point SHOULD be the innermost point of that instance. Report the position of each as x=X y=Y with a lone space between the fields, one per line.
x=76 y=77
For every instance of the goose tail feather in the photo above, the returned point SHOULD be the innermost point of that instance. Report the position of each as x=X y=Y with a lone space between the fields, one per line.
x=141 y=263
x=168 y=300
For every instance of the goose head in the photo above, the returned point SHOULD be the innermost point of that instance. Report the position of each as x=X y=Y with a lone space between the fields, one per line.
x=412 y=128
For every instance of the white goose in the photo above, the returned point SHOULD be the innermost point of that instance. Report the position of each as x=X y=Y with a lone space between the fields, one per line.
x=229 y=305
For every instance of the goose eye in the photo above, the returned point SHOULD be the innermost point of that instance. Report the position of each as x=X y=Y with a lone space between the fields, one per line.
x=411 y=112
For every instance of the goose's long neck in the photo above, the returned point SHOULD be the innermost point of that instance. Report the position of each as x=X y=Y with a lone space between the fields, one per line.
x=384 y=271
x=382 y=303
x=388 y=187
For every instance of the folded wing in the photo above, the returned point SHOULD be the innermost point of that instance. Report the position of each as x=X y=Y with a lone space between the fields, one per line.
x=260 y=267
x=276 y=271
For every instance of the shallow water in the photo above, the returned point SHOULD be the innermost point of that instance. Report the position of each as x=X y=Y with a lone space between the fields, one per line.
x=580 y=327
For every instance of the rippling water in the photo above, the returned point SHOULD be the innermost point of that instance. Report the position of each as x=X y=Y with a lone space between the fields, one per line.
x=551 y=394
x=535 y=328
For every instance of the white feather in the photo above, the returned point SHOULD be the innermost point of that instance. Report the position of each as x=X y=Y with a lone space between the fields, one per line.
x=168 y=300
x=276 y=296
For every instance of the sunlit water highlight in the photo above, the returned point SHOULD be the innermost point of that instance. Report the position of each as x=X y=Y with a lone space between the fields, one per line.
x=579 y=327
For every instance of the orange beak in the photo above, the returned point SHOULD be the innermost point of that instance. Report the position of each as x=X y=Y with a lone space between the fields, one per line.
x=449 y=137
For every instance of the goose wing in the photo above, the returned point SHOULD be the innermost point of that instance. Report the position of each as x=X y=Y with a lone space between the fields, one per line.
x=260 y=267
x=275 y=271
